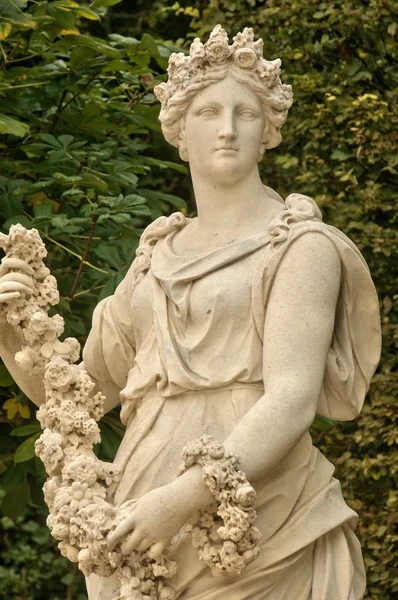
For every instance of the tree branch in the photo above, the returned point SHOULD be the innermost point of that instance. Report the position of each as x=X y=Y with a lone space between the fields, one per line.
x=59 y=110
x=84 y=258
x=10 y=55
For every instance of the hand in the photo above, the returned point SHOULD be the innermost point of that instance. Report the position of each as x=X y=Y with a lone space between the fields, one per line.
x=154 y=520
x=13 y=283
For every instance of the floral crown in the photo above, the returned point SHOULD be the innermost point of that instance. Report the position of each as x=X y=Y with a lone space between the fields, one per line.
x=244 y=52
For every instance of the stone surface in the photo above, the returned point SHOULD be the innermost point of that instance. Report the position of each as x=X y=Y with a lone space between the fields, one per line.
x=239 y=324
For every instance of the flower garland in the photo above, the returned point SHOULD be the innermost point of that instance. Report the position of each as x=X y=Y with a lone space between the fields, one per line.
x=225 y=537
x=80 y=487
x=79 y=490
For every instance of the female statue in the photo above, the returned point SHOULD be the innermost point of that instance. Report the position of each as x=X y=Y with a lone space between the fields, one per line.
x=242 y=324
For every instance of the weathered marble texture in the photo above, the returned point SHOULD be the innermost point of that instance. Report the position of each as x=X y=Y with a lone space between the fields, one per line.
x=241 y=323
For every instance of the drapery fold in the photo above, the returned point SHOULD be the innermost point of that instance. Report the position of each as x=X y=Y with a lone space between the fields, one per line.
x=185 y=347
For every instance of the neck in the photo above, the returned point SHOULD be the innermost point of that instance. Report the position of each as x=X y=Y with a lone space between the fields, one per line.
x=228 y=206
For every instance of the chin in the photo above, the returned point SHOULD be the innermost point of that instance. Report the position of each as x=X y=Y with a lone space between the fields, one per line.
x=226 y=173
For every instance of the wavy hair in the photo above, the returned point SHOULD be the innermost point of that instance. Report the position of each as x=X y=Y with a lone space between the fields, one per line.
x=274 y=109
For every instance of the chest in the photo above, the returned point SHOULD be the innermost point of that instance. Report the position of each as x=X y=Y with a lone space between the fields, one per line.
x=224 y=294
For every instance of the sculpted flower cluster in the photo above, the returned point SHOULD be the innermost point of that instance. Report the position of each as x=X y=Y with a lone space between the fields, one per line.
x=79 y=490
x=224 y=536
x=244 y=52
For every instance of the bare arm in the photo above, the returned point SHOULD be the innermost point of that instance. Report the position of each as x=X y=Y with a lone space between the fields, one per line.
x=16 y=279
x=298 y=331
x=10 y=344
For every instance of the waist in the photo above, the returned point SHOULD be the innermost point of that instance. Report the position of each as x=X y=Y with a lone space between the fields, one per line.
x=203 y=391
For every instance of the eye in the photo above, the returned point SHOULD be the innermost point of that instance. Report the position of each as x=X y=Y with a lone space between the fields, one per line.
x=208 y=112
x=247 y=114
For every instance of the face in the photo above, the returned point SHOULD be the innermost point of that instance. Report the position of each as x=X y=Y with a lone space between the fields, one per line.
x=223 y=131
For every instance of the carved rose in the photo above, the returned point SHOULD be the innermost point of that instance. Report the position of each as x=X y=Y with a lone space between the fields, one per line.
x=216 y=450
x=26 y=359
x=245 y=58
x=70 y=552
x=245 y=495
x=39 y=322
x=167 y=593
x=82 y=468
x=59 y=374
x=217 y=51
x=215 y=476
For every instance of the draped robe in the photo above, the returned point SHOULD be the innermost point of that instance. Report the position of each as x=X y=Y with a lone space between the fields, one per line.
x=185 y=347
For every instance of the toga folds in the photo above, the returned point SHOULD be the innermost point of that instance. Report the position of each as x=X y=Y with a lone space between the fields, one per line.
x=184 y=345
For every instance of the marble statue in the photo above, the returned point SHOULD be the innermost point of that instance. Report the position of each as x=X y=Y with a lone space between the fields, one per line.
x=229 y=333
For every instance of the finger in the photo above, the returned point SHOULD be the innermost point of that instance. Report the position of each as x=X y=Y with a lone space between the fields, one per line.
x=14 y=286
x=132 y=542
x=122 y=529
x=9 y=296
x=17 y=277
x=144 y=544
x=156 y=550
x=16 y=263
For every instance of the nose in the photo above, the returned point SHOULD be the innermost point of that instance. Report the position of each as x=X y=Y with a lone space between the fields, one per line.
x=227 y=129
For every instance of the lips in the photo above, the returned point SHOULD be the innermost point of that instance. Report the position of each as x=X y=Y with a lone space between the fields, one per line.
x=227 y=148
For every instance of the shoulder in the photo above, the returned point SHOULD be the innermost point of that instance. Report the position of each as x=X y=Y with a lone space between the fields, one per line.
x=309 y=270
x=300 y=241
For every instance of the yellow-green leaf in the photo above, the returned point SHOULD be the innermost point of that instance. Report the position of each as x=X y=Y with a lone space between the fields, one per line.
x=11 y=407
x=13 y=127
x=24 y=411
x=88 y=14
x=5 y=30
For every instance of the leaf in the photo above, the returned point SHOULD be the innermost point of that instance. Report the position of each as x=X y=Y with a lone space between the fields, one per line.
x=26 y=429
x=24 y=410
x=49 y=139
x=12 y=126
x=36 y=493
x=80 y=56
x=124 y=41
x=110 y=440
x=64 y=18
x=15 y=501
x=339 y=155
x=5 y=377
x=11 y=407
x=149 y=45
x=96 y=44
x=166 y=164
x=91 y=180
x=104 y=3
x=45 y=209
x=323 y=423
x=21 y=219
x=26 y=450
x=110 y=255
x=88 y=14
x=5 y=30
x=12 y=477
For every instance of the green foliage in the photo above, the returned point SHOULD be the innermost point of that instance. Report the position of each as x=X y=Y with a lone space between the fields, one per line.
x=78 y=122
x=29 y=568
x=339 y=147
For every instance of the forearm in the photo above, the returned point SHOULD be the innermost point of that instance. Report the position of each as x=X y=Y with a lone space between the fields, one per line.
x=10 y=344
x=261 y=440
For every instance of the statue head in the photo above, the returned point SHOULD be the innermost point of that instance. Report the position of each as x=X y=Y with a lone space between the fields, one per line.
x=210 y=63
